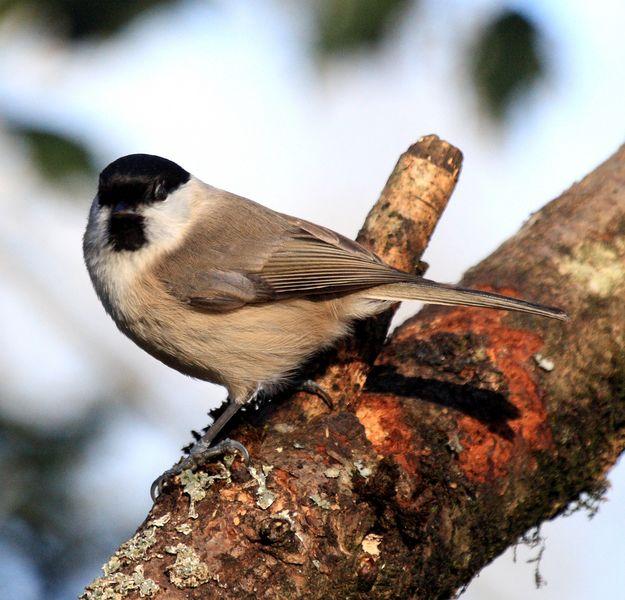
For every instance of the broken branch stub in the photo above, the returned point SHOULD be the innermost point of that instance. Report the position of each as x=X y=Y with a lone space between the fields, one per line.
x=398 y=229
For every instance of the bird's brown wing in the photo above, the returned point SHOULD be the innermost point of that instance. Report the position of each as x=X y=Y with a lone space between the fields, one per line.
x=313 y=260
x=261 y=255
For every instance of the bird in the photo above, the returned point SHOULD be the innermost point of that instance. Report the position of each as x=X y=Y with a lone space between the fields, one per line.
x=228 y=291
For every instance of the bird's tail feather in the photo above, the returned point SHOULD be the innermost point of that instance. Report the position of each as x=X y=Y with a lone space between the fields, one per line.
x=432 y=292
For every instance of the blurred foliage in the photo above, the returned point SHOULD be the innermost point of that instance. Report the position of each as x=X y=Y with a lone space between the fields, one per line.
x=344 y=25
x=80 y=19
x=506 y=61
x=56 y=156
x=36 y=507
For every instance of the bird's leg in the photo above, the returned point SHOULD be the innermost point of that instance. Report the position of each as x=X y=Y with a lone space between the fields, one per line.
x=312 y=387
x=202 y=450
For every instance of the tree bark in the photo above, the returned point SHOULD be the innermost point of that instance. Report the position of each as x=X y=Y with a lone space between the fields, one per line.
x=468 y=428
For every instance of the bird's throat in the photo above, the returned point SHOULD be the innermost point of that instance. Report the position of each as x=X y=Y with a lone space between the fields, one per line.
x=127 y=232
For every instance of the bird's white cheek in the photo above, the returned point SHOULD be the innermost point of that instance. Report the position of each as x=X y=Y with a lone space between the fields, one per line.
x=167 y=223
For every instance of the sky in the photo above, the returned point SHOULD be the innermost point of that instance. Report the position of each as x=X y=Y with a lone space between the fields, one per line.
x=230 y=91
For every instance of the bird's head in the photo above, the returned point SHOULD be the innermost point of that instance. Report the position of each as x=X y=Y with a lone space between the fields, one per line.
x=141 y=196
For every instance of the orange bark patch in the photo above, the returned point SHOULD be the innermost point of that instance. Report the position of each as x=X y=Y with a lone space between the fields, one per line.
x=382 y=416
x=487 y=455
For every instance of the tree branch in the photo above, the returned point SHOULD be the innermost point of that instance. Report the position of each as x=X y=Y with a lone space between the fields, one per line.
x=473 y=426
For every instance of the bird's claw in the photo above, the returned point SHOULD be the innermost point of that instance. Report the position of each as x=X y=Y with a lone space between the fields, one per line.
x=312 y=387
x=199 y=454
x=156 y=489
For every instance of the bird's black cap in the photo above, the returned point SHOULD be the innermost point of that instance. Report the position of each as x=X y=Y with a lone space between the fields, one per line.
x=140 y=179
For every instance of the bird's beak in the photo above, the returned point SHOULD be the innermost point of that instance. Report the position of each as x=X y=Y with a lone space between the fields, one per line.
x=121 y=209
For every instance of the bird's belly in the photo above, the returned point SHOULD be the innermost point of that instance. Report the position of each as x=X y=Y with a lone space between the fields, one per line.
x=243 y=349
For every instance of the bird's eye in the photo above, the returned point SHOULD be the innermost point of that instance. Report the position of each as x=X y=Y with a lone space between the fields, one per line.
x=160 y=192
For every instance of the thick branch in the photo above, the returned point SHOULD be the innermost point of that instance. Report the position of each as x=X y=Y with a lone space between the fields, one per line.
x=474 y=426
x=489 y=423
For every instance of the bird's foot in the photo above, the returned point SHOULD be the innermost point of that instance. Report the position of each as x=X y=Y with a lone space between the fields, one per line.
x=312 y=387
x=200 y=453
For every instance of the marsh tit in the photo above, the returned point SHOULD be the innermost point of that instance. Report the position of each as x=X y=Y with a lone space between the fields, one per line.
x=226 y=290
